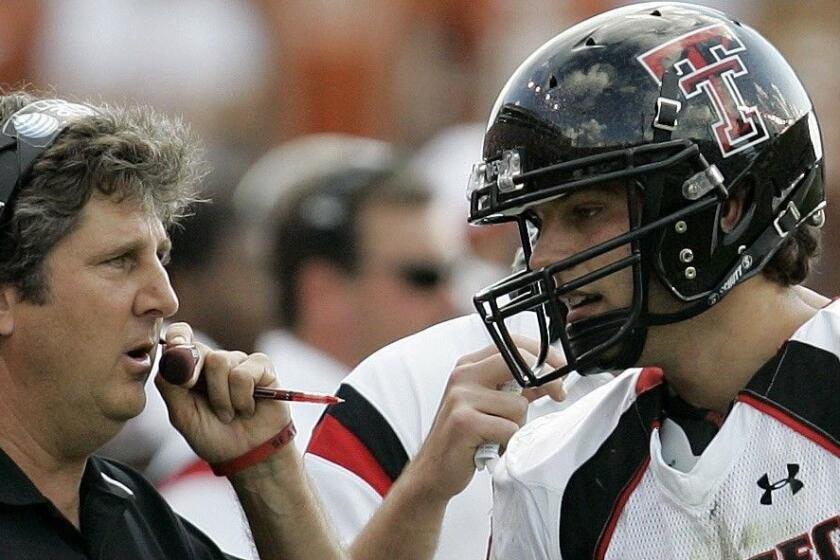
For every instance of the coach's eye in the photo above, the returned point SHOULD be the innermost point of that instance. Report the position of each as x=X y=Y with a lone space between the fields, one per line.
x=124 y=261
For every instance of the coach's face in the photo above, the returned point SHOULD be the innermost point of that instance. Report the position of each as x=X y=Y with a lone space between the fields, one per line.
x=89 y=349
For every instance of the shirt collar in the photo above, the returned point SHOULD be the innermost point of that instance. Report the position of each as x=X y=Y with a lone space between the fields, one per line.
x=15 y=487
x=96 y=480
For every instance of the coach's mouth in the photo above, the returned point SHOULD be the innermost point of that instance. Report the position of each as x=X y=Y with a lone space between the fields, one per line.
x=140 y=355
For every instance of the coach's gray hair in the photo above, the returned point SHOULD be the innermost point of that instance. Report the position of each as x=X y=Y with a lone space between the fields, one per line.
x=123 y=153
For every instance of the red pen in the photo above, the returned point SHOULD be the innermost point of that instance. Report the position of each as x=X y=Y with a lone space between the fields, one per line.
x=295 y=396
x=178 y=362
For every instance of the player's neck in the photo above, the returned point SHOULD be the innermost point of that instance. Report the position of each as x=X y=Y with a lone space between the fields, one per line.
x=711 y=357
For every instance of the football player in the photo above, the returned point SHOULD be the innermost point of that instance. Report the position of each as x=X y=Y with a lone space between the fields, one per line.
x=664 y=164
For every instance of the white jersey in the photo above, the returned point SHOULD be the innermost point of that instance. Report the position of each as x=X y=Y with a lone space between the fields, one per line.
x=611 y=478
x=391 y=399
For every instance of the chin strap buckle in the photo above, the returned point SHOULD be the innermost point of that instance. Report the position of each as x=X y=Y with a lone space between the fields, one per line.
x=787 y=220
x=666 y=114
x=668 y=106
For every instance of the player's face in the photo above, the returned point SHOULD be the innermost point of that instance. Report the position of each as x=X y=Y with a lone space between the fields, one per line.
x=88 y=350
x=572 y=224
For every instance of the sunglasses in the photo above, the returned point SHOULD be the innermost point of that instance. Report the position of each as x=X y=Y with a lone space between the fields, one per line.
x=421 y=275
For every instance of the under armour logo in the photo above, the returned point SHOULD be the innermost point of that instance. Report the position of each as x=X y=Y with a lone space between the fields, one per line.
x=795 y=484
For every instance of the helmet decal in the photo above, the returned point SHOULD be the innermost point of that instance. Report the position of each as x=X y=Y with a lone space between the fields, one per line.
x=707 y=61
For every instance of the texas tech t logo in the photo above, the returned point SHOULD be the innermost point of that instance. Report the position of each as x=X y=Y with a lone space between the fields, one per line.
x=707 y=62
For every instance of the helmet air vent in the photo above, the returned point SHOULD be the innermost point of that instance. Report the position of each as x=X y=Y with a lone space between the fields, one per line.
x=587 y=43
x=656 y=13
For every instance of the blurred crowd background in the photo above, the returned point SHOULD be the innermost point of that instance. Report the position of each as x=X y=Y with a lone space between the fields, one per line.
x=286 y=91
x=312 y=111
x=251 y=75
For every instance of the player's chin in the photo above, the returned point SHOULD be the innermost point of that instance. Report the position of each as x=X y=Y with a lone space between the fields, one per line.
x=612 y=354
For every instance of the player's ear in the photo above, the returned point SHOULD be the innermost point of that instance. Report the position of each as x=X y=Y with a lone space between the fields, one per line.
x=9 y=296
x=734 y=207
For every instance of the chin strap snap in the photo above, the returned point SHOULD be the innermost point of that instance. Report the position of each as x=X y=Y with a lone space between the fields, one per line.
x=668 y=107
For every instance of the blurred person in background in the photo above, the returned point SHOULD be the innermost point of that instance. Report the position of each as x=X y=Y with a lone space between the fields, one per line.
x=223 y=289
x=356 y=263
x=348 y=233
x=483 y=255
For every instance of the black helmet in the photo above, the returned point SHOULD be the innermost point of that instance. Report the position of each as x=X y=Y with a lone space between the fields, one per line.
x=682 y=104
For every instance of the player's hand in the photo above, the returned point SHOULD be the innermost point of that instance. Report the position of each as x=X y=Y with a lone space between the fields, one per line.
x=226 y=421
x=473 y=411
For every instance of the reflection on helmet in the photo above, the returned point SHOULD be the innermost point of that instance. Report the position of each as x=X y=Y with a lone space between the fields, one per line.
x=684 y=106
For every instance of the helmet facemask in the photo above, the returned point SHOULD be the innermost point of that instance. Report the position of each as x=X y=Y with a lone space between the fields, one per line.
x=501 y=191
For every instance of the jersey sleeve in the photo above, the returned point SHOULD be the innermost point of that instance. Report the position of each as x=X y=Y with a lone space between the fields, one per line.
x=355 y=454
x=350 y=501
x=360 y=447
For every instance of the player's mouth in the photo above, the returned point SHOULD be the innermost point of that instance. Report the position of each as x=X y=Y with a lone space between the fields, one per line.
x=581 y=305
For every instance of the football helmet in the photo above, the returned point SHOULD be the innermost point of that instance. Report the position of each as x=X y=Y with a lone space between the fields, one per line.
x=682 y=106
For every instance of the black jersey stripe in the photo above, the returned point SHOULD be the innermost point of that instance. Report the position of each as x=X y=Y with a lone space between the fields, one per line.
x=598 y=490
x=364 y=421
x=803 y=382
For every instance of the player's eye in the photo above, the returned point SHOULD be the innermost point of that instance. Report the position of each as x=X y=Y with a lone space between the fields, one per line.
x=532 y=226
x=586 y=211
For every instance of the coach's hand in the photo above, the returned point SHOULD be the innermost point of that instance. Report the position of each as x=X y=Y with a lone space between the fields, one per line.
x=473 y=411
x=225 y=421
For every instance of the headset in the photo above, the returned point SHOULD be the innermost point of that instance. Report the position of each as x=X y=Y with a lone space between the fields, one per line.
x=26 y=135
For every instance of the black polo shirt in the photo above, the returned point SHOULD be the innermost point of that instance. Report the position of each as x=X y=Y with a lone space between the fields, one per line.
x=122 y=517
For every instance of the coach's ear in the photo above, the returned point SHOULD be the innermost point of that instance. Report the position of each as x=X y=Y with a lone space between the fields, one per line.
x=8 y=299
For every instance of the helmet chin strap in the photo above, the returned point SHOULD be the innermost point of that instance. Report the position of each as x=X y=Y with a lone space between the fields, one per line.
x=589 y=333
